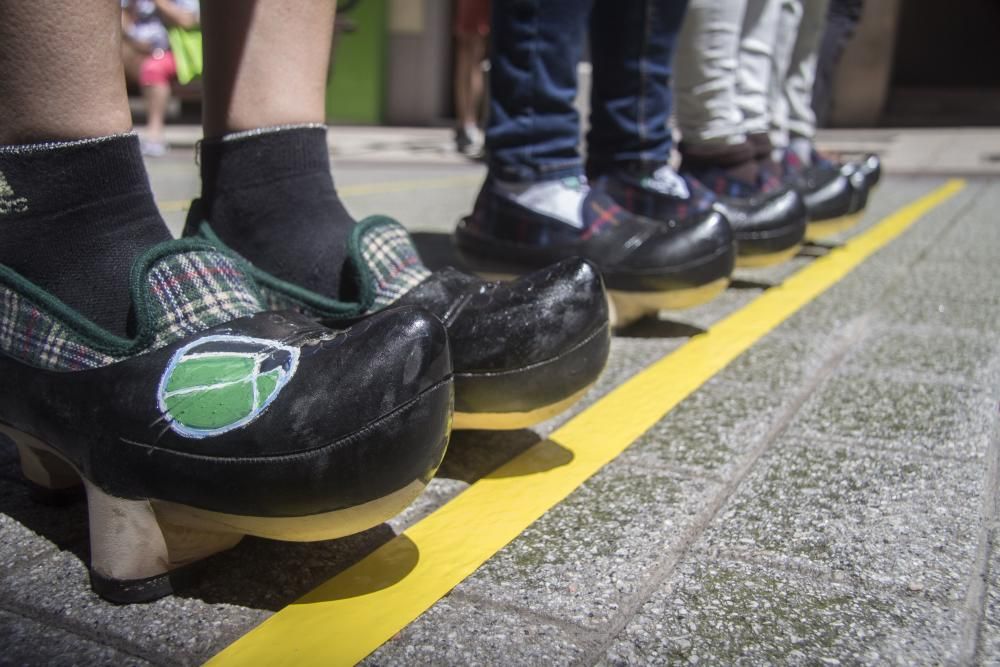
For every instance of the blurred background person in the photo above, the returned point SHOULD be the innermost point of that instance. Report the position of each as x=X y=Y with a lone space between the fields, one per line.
x=148 y=60
x=841 y=22
x=472 y=29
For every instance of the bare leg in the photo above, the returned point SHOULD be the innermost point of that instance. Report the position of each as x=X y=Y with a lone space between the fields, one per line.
x=469 y=78
x=476 y=82
x=463 y=74
x=61 y=93
x=269 y=195
x=132 y=60
x=266 y=63
x=471 y=48
x=156 y=98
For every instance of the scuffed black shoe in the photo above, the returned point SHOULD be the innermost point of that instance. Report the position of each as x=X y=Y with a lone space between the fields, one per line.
x=647 y=266
x=864 y=175
x=869 y=167
x=523 y=351
x=769 y=225
x=830 y=197
x=216 y=420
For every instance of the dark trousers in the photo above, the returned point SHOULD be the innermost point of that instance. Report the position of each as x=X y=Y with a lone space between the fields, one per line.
x=534 y=127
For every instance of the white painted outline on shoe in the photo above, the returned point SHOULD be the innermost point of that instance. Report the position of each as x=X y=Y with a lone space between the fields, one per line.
x=269 y=347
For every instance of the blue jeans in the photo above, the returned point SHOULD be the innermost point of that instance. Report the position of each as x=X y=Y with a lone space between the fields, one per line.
x=534 y=128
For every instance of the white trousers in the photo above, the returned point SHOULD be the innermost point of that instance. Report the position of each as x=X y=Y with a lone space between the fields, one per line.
x=747 y=67
x=794 y=71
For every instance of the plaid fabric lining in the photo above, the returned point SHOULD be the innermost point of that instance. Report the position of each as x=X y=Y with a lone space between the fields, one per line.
x=388 y=252
x=30 y=334
x=197 y=290
x=189 y=292
x=275 y=300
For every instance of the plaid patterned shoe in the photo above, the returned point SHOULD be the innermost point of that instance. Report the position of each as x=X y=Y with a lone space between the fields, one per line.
x=522 y=351
x=827 y=192
x=217 y=420
x=646 y=265
x=768 y=226
x=659 y=194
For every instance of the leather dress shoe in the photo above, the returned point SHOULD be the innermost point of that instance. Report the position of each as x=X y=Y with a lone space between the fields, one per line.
x=829 y=194
x=217 y=420
x=769 y=226
x=647 y=266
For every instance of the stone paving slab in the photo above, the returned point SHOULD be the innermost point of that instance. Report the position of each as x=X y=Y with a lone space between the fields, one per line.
x=893 y=519
x=175 y=630
x=953 y=420
x=591 y=555
x=958 y=357
x=989 y=633
x=729 y=612
x=868 y=284
x=30 y=529
x=465 y=631
x=27 y=642
x=712 y=432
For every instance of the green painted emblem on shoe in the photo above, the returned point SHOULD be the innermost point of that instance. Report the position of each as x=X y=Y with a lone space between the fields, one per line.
x=219 y=383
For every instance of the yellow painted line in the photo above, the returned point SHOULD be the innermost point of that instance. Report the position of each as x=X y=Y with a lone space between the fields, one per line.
x=352 y=614
x=363 y=189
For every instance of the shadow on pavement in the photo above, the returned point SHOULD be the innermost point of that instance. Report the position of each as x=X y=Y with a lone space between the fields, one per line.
x=438 y=251
x=63 y=523
x=472 y=455
x=269 y=575
x=745 y=283
x=652 y=327
x=387 y=566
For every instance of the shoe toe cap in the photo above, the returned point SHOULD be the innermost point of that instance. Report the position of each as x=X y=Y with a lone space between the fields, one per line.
x=505 y=326
x=531 y=343
x=364 y=412
x=827 y=195
x=781 y=214
x=697 y=252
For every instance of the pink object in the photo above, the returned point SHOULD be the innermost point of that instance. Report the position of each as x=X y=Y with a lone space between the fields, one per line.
x=159 y=69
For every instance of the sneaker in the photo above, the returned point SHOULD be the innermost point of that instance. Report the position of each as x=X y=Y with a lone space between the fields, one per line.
x=830 y=197
x=151 y=148
x=216 y=420
x=769 y=226
x=469 y=140
x=647 y=266
x=522 y=351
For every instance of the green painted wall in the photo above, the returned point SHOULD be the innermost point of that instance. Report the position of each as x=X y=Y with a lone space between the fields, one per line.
x=357 y=73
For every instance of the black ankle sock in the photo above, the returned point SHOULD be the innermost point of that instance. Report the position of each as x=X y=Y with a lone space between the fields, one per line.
x=73 y=218
x=269 y=196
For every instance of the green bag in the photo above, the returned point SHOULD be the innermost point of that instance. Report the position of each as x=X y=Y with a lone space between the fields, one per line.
x=186 y=47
